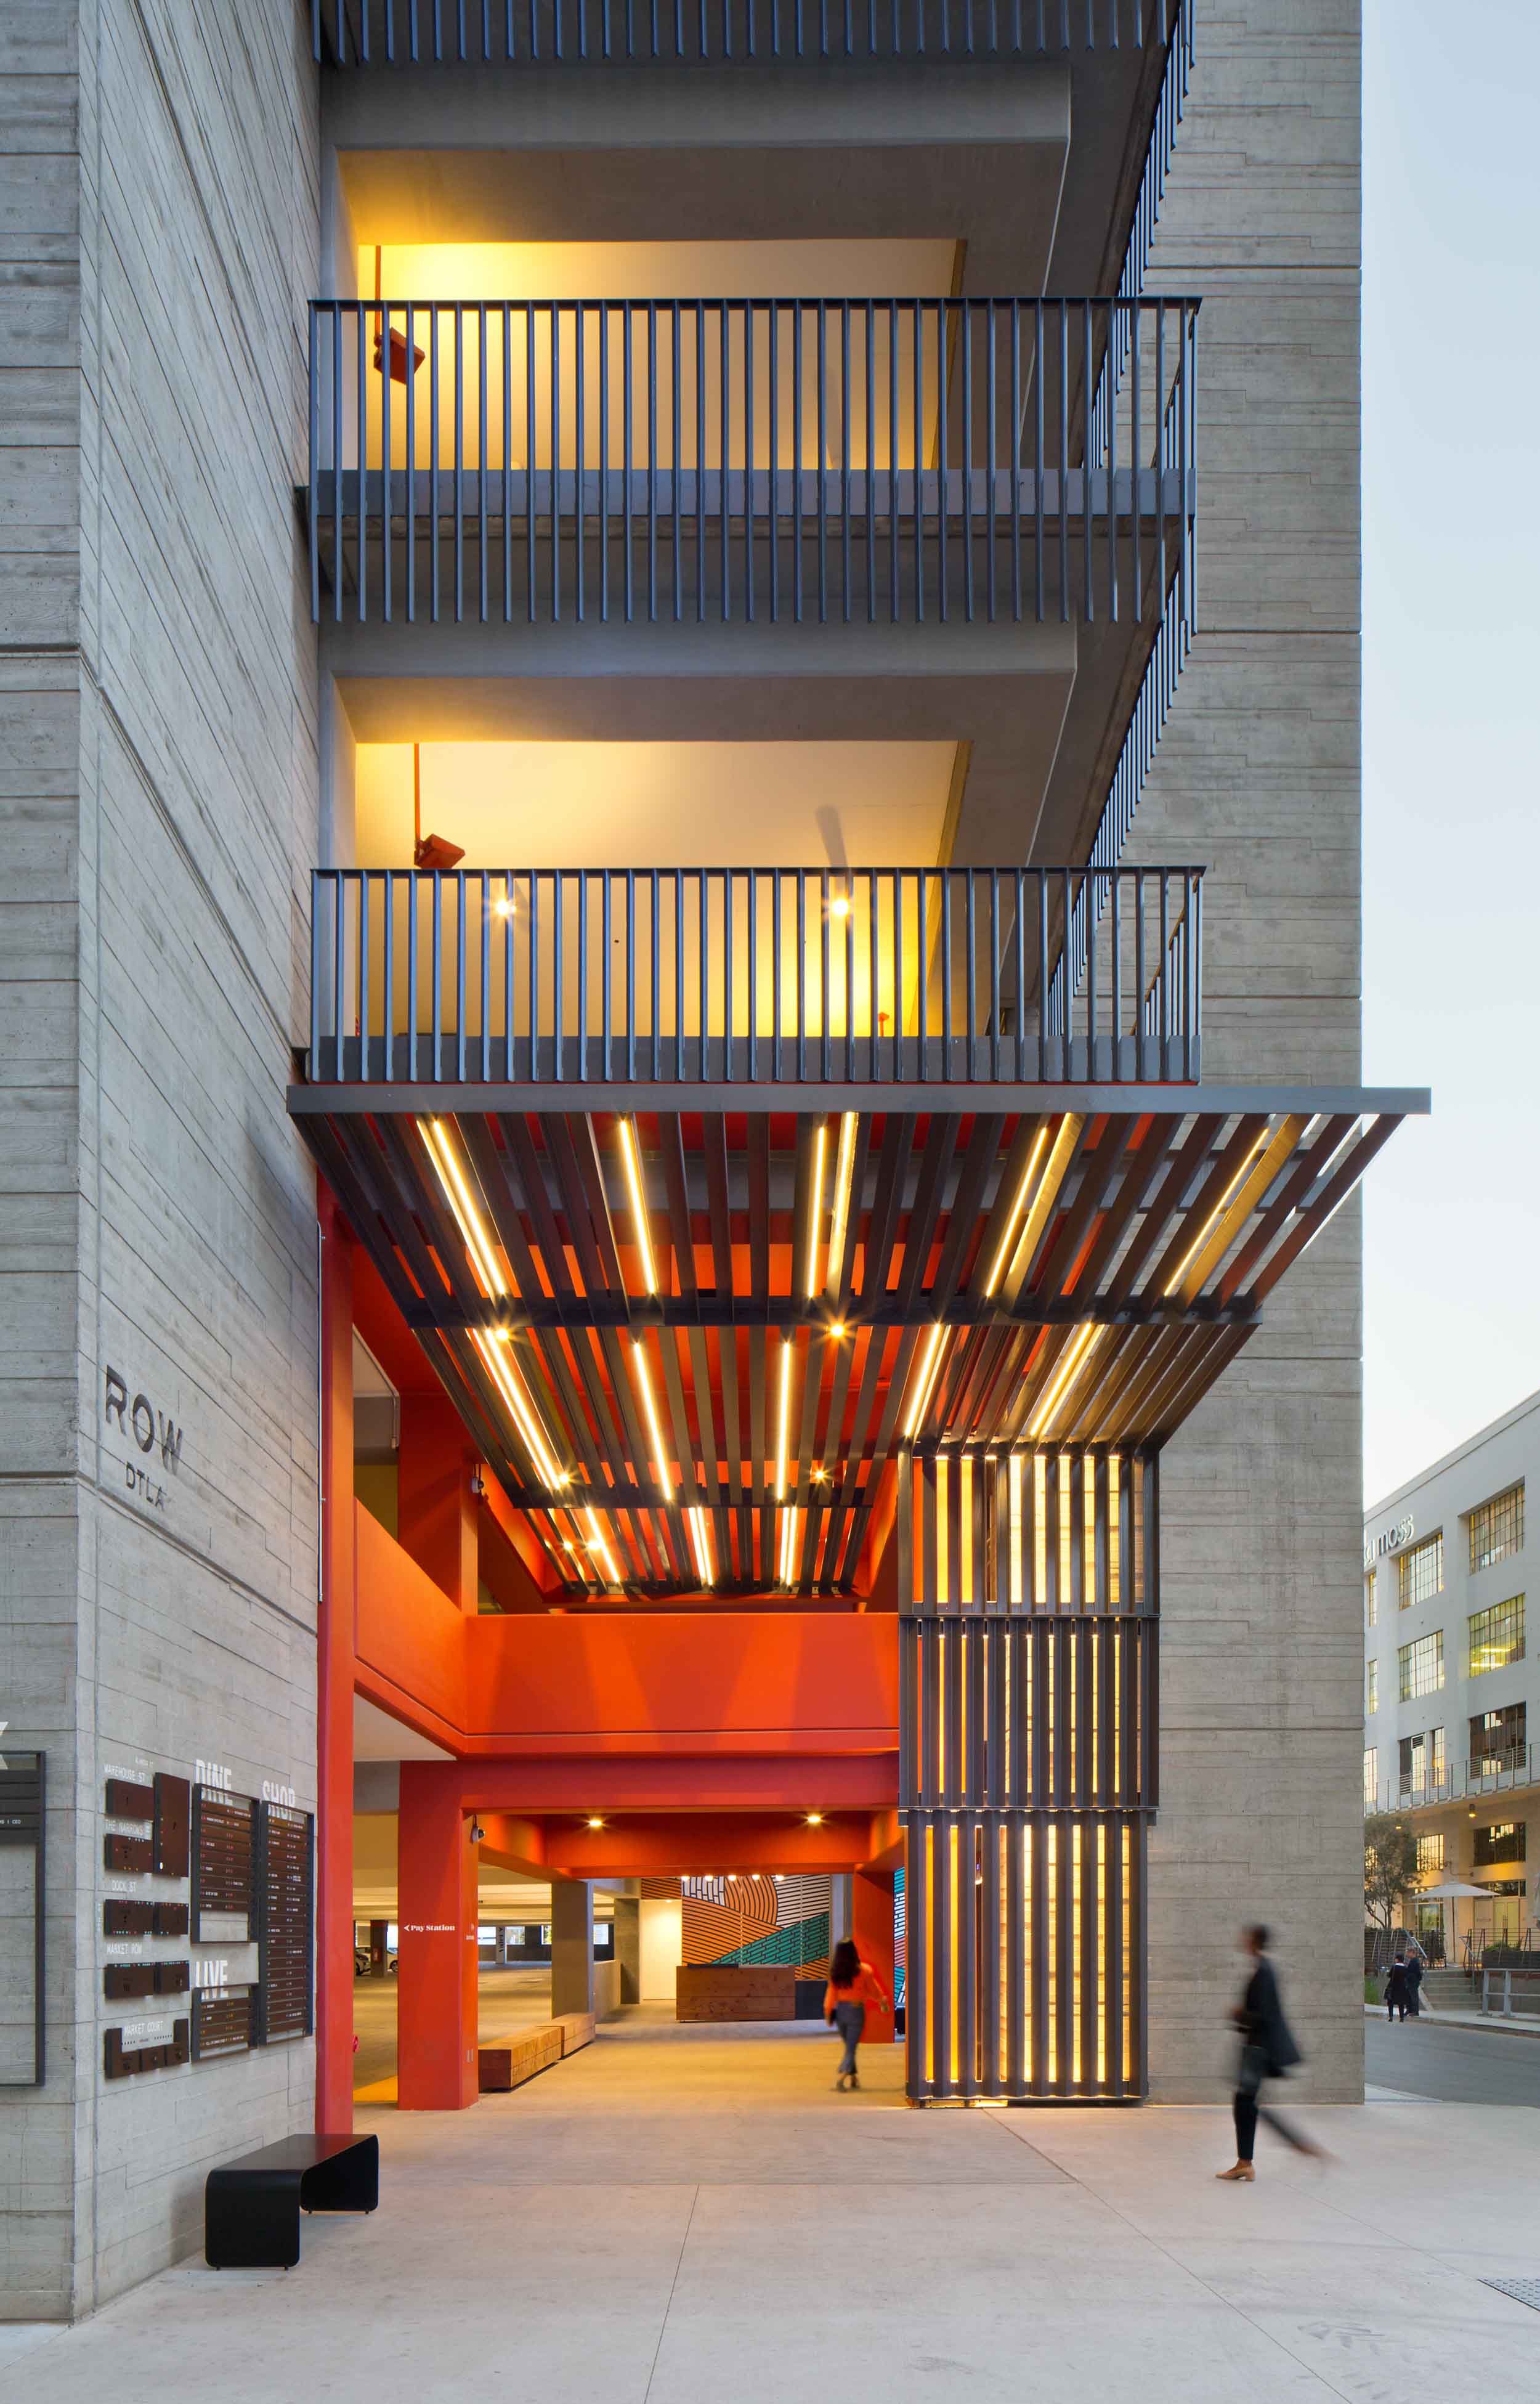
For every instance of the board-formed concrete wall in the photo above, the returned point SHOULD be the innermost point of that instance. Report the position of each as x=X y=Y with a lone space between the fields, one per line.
x=1257 y=776
x=158 y=781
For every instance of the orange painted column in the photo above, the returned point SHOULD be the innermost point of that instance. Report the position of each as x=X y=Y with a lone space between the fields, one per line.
x=435 y=1506
x=335 y=1641
x=436 y=2027
x=872 y=1928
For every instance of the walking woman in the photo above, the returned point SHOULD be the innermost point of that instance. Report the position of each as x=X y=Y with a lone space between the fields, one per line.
x=1267 y=2050
x=852 y=1985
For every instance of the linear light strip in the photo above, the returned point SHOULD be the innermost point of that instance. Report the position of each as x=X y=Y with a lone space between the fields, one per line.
x=631 y=1158
x=929 y=1365
x=601 y=1546
x=457 y=1193
x=845 y=1166
x=527 y=1417
x=783 y=1417
x=787 y=1571
x=816 y=1212
x=1007 y=1241
x=700 y=1537
x=1211 y=1222
x=1070 y=1363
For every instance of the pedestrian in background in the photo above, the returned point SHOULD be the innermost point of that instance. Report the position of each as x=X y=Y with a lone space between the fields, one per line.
x=1267 y=2050
x=852 y=1985
x=1396 y=1988
x=1411 y=1985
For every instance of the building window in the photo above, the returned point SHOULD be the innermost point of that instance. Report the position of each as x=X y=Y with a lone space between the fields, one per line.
x=1436 y=1756
x=1496 y=1636
x=1499 y=1740
x=1497 y=1528
x=1421 y=1572
x=1371 y=1599
x=1430 y=1855
x=1421 y=1666
x=1371 y=1694
x=1504 y=1840
x=1371 y=1776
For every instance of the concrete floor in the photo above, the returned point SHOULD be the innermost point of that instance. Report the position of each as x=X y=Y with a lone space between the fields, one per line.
x=507 y=2000
x=678 y=2216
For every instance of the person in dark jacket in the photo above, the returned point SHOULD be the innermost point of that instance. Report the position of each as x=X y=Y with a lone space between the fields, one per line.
x=1396 y=1996
x=1267 y=2050
x=1413 y=1985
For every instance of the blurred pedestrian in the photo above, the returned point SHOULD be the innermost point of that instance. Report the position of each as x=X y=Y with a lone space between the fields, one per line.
x=852 y=1985
x=1396 y=1988
x=1267 y=2050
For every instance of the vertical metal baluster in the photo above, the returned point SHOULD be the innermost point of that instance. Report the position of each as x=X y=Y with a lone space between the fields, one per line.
x=1195 y=1038
x=558 y=982
x=898 y=884
x=1164 y=1017
x=676 y=330
x=994 y=974
x=727 y=972
x=702 y=955
x=771 y=511
x=1111 y=463
x=971 y=1052
x=508 y=1012
x=873 y=1022
x=652 y=462
x=849 y=975
x=917 y=432
x=922 y=916
x=579 y=460
x=700 y=463
x=487 y=980
x=775 y=882
x=506 y=316
x=1021 y=975
x=1038 y=438
x=414 y=891
x=892 y=470
x=967 y=338
x=1041 y=874
x=314 y=420
x=531 y=420
x=802 y=975
x=604 y=472
x=387 y=512
x=824 y=460
x=946 y=1027
x=725 y=512
x=844 y=460
x=459 y=462
x=1140 y=1011
x=459 y=973
x=1136 y=457
x=654 y=944
x=628 y=446
x=871 y=466
x=361 y=1015
x=555 y=323
x=481 y=451
x=533 y=974
x=438 y=975
x=318 y=881
x=631 y=973
x=796 y=431
x=748 y=461
x=991 y=371
x=943 y=450
x=1114 y=882
x=1087 y=903
x=824 y=1013
x=434 y=437
x=751 y=884
x=608 y=971
x=679 y=974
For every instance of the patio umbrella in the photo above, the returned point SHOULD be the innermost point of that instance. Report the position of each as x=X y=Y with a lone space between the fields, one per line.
x=1449 y=1887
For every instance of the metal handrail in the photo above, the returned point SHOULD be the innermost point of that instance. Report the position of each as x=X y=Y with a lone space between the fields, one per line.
x=893 y=460
x=523 y=33
x=1511 y=1765
x=755 y=975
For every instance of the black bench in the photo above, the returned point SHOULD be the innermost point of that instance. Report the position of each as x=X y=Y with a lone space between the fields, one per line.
x=252 y=2207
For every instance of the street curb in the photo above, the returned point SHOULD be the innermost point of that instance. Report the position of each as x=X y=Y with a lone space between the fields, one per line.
x=1489 y=2021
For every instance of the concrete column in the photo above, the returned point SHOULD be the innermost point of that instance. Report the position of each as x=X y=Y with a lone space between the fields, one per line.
x=436 y=2005
x=334 y=1970
x=435 y=1506
x=379 y=1948
x=839 y=1909
x=628 y=1947
x=571 y=1945
x=872 y=1926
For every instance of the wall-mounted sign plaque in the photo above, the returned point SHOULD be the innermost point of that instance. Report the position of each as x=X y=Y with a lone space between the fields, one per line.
x=127 y=1853
x=221 y=2022
x=223 y=1846
x=127 y=1800
x=144 y=2045
x=287 y=1864
x=172 y=1797
x=121 y=1979
x=21 y=1826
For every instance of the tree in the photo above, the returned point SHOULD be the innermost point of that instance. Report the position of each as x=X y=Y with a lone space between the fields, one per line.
x=1390 y=1865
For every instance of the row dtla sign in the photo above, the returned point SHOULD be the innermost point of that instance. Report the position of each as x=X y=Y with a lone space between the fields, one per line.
x=152 y=1433
x=1389 y=1540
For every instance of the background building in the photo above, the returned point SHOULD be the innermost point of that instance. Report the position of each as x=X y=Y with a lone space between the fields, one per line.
x=1450 y=1684
x=215 y=1504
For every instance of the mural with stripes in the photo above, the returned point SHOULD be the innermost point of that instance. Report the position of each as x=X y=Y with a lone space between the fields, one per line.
x=754 y=1918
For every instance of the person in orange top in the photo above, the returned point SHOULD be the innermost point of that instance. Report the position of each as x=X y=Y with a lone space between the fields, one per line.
x=852 y=1985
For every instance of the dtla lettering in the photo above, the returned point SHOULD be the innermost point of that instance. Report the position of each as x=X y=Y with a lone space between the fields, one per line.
x=149 y=1429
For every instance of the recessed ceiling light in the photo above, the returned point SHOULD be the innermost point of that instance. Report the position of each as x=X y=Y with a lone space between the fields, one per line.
x=595 y=1823
x=815 y=1819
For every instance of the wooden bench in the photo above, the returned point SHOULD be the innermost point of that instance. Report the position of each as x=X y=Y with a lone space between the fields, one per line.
x=577 y=2030
x=513 y=2058
x=252 y=2207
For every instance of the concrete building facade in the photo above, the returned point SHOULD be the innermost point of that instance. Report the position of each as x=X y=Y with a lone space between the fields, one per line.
x=1450 y=1685
x=216 y=457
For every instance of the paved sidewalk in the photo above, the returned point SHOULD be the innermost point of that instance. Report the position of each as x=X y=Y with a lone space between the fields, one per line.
x=1495 y=2021
x=683 y=2215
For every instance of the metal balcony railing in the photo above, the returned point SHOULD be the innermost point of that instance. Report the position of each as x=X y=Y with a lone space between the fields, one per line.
x=715 y=975
x=718 y=461
x=1493 y=1773
x=523 y=33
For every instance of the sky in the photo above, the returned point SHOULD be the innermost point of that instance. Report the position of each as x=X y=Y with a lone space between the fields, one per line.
x=1451 y=717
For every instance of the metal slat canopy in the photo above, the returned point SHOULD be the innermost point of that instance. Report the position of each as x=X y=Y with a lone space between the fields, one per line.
x=692 y=1327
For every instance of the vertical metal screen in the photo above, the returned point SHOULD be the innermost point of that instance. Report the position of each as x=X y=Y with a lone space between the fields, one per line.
x=1028 y=1775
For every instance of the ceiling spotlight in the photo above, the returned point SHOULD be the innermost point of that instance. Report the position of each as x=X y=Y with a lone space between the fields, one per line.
x=837 y=1330
x=732 y=1877
x=595 y=1823
x=815 y=1819
x=780 y=1878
